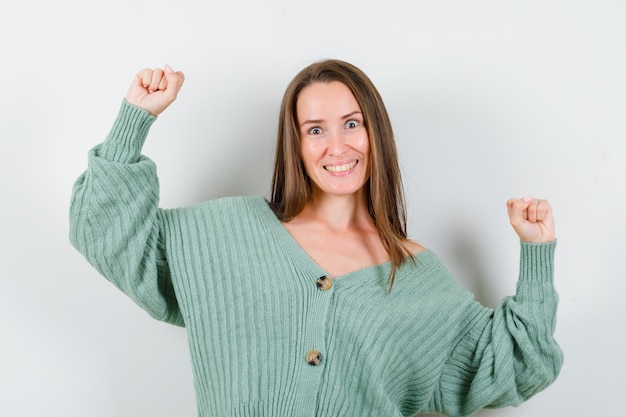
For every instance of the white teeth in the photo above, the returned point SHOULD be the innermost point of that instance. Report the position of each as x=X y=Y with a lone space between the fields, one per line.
x=340 y=168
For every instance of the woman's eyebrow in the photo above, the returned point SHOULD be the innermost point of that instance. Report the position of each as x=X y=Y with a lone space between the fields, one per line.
x=312 y=121
x=315 y=121
x=347 y=116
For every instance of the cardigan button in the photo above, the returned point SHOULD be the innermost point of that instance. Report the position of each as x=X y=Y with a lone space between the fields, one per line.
x=313 y=358
x=324 y=283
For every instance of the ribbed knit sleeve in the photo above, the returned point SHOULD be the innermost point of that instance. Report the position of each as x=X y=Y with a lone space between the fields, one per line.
x=115 y=220
x=506 y=356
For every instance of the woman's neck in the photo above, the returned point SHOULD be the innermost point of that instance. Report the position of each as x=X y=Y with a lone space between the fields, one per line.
x=339 y=213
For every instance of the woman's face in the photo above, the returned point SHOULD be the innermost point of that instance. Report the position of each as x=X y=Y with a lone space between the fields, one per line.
x=334 y=141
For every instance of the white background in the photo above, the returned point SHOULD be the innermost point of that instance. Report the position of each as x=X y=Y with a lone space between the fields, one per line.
x=489 y=99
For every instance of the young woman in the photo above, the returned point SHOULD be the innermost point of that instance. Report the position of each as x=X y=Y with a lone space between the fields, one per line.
x=314 y=302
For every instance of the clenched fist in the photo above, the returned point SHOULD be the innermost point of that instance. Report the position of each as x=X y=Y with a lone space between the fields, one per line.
x=531 y=219
x=155 y=89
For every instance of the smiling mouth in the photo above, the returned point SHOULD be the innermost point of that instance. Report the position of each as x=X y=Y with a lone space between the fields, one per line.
x=337 y=169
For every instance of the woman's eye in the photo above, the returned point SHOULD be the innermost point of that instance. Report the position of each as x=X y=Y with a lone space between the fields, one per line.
x=351 y=124
x=315 y=131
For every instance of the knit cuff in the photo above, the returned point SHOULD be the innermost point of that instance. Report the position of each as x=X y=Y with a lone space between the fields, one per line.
x=536 y=271
x=126 y=138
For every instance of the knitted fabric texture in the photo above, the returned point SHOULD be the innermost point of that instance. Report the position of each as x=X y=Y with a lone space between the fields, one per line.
x=247 y=294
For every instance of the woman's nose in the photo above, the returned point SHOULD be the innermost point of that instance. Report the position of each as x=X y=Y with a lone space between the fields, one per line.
x=336 y=143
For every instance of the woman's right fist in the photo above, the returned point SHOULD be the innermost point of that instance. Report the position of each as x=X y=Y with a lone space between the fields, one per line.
x=155 y=89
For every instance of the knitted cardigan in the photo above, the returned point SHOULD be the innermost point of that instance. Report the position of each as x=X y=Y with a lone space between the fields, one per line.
x=253 y=307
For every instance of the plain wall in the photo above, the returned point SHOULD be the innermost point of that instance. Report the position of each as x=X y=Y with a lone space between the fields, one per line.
x=489 y=99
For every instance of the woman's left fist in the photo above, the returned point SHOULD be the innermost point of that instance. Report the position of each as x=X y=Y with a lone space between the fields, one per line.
x=531 y=219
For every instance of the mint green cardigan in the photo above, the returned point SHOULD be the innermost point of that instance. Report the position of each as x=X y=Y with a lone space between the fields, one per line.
x=249 y=298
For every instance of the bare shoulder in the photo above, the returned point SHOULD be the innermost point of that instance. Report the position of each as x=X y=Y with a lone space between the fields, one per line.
x=413 y=247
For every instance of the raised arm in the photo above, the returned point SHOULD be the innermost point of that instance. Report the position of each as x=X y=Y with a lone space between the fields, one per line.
x=505 y=356
x=115 y=221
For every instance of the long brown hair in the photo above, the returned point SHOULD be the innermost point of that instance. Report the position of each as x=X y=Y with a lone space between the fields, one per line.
x=292 y=188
